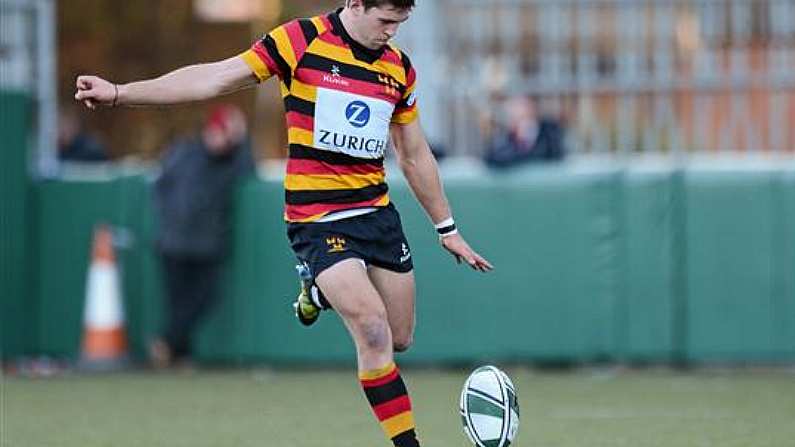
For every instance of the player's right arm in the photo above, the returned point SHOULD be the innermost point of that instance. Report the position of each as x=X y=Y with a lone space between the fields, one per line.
x=188 y=84
x=274 y=54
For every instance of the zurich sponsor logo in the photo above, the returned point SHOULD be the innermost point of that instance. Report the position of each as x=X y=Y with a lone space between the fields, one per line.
x=358 y=114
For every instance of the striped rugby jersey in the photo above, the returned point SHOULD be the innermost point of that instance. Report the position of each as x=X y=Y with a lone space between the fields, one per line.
x=340 y=99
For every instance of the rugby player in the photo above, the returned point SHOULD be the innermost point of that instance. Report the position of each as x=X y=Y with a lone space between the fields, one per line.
x=346 y=91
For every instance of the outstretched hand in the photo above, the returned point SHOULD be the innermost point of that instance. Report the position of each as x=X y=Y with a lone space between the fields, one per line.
x=94 y=91
x=459 y=248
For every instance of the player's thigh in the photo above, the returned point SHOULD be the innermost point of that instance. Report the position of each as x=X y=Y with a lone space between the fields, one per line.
x=351 y=293
x=398 y=293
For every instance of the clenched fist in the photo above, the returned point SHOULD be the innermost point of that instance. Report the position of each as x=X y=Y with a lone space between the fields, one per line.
x=93 y=91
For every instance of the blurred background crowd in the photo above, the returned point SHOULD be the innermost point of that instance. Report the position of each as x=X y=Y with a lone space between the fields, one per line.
x=604 y=77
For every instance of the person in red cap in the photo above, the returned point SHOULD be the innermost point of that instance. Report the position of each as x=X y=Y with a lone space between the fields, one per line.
x=193 y=201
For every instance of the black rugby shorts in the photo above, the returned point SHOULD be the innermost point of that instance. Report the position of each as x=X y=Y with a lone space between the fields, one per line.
x=376 y=238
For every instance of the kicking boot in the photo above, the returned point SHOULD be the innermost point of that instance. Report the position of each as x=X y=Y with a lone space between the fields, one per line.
x=307 y=306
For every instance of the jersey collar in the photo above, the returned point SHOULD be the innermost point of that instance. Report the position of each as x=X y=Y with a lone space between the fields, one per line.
x=360 y=52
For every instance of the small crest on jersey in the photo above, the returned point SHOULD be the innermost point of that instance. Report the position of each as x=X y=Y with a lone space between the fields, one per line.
x=335 y=77
x=411 y=99
x=390 y=85
x=336 y=244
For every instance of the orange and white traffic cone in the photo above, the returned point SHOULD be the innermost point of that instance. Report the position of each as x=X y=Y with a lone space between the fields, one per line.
x=104 y=336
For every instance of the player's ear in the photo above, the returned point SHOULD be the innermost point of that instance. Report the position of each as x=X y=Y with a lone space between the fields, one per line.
x=354 y=5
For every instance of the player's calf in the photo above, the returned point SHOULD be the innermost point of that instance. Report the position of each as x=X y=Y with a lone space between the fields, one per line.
x=389 y=399
x=402 y=334
x=402 y=344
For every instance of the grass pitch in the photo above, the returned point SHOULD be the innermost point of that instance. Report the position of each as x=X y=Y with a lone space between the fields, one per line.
x=326 y=408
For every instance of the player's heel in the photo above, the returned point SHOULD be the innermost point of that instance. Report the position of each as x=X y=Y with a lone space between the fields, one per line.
x=306 y=310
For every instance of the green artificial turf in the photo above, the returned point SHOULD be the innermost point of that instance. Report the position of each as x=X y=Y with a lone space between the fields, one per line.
x=326 y=408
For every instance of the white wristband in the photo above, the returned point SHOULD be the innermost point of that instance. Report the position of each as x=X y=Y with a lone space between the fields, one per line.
x=449 y=233
x=446 y=227
x=445 y=223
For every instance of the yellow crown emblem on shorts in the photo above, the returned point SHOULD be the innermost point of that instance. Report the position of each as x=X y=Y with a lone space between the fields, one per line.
x=335 y=244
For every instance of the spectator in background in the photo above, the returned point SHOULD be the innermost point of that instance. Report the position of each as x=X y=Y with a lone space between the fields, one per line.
x=523 y=136
x=74 y=143
x=193 y=200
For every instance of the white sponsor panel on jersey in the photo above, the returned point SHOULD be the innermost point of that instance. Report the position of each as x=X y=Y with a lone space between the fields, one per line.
x=351 y=124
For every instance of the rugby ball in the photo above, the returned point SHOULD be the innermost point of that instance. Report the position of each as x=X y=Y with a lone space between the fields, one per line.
x=489 y=408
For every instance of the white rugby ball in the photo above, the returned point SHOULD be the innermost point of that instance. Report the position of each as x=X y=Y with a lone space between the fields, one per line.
x=489 y=408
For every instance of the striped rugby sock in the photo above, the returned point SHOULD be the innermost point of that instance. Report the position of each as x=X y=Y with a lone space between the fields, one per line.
x=387 y=394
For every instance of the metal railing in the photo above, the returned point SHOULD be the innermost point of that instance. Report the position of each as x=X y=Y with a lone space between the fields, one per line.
x=28 y=61
x=625 y=76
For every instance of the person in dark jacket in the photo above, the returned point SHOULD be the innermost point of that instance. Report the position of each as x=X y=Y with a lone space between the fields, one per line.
x=74 y=141
x=193 y=201
x=524 y=137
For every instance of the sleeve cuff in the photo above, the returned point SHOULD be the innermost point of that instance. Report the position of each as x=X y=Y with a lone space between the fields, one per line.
x=256 y=65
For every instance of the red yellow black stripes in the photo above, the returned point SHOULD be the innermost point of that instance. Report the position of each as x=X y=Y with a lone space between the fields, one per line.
x=312 y=212
x=299 y=166
x=336 y=196
x=315 y=54
x=389 y=399
x=331 y=181
x=406 y=109
x=319 y=182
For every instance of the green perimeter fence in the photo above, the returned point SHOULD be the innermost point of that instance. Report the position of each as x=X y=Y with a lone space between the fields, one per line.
x=626 y=265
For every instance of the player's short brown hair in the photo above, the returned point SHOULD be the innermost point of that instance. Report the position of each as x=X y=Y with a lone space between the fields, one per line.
x=399 y=4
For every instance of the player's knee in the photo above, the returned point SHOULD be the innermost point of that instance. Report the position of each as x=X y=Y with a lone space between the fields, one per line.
x=373 y=331
x=402 y=343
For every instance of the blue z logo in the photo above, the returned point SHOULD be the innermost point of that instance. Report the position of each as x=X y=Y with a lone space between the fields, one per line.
x=358 y=114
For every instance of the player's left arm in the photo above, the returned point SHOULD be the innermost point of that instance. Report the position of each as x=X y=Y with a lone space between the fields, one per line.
x=419 y=166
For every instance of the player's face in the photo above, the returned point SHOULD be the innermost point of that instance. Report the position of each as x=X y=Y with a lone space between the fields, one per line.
x=379 y=24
